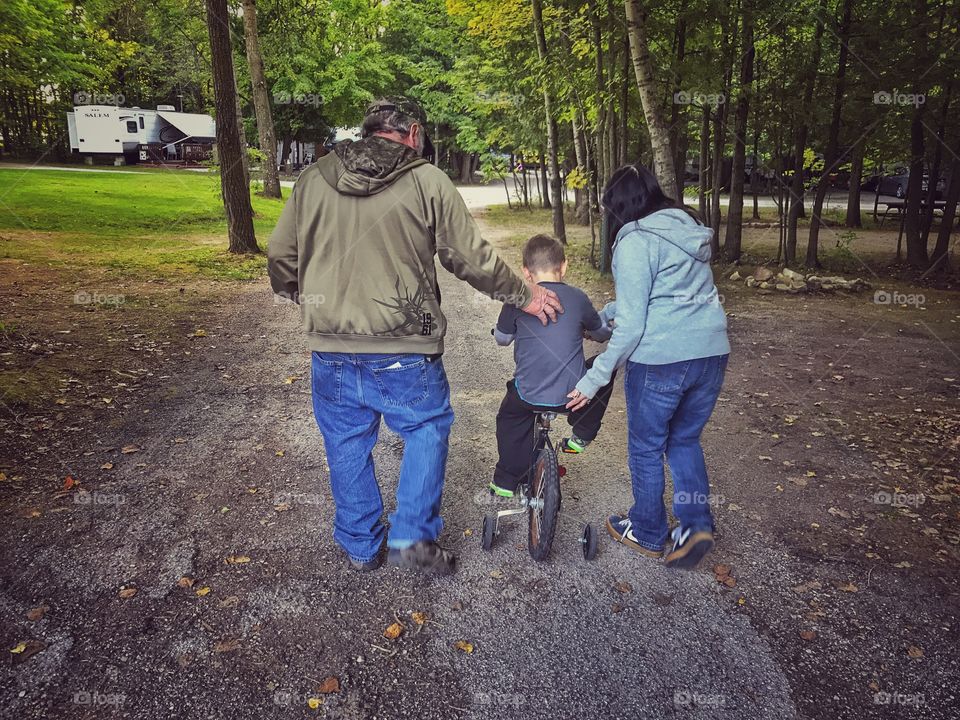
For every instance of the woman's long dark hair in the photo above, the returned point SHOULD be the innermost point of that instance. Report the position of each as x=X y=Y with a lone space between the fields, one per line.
x=632 y=193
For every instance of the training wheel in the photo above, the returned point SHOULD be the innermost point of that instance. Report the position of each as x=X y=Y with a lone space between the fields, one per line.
x=489 y=530
x=589 y=542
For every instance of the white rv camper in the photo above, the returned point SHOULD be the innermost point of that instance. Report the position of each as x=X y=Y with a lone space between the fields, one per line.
x=130 y=135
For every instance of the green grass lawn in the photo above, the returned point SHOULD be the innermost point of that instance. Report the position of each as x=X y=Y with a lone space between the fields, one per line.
x=167 y=222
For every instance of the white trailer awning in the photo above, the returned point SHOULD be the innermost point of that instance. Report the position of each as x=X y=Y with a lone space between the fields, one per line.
x=194 y=125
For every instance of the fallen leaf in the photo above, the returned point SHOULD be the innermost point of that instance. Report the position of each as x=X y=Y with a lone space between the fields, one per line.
x=765 y=457
x=202 y=591
x=290 y=380
x=811 y=473
x=329 y=685
x=721 y=570
x=225 y=646
x=199 y=333
x=623 y=587
x=128 y=449
x=314 y=702
x=730 y=581
x=464 y=646
x=128 y=592
x=3 y=477
x=185 y=582
x=33 y=514
x=279 y=453
x=468 y=532
x=903 y=564
x=25 y=650
x=839 y=513
x=419 y=617
x=107 y=466
x=229 y=601
x=283 y=507
x=848 y=587
x=496 y=574
x=808 y=635
x=617 y=608
x=914 y=652
x=237 y=560
x=809 y=585
x=37 y=613
x=69 y=482
x=393 y=631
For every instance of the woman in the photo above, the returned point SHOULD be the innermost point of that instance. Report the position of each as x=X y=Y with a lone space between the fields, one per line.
x=671 y=332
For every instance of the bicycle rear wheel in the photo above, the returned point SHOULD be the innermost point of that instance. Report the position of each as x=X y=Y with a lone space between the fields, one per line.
x=544 y=503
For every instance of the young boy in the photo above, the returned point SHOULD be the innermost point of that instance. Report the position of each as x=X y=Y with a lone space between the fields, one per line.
x=549 y=362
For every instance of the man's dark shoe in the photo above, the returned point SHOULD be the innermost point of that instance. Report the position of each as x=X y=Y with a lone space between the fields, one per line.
x=425 y=556
x=369 y=565
x=689 y=547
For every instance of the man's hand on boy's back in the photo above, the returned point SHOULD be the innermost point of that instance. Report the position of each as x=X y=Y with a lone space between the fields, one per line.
x=544 y=303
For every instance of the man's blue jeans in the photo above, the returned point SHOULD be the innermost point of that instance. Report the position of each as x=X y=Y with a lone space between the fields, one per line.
x=351 y=392
x=667 y=409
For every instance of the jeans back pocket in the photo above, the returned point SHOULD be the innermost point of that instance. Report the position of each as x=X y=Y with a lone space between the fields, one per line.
x=326 y=378
x=404 y=384
x=666 y=378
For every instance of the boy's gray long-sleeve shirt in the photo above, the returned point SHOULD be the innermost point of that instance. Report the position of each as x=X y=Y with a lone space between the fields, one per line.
x=549 y=358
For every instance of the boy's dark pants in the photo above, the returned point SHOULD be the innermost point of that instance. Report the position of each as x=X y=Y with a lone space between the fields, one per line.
x=515 y=424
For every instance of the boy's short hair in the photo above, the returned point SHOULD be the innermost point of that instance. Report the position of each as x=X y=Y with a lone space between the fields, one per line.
x=543 y=253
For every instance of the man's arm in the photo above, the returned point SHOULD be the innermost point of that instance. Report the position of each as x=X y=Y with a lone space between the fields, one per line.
x=282 y=261
x=463 y=251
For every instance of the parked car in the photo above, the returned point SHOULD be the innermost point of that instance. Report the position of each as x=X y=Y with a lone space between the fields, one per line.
x=896 y=183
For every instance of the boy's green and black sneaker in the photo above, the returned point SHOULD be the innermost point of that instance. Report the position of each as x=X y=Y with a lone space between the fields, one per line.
x=502 y=491
x=573 y=445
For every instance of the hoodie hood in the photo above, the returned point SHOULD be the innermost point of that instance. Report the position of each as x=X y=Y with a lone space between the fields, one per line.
x=368 y=166
x=678 y=228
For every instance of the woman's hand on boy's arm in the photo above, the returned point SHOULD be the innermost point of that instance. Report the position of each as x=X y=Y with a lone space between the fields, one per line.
x=577 y=400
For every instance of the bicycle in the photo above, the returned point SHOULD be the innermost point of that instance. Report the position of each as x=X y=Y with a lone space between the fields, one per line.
x=539 y=499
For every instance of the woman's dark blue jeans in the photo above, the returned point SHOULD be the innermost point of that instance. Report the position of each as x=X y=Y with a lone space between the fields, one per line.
x=667 y=409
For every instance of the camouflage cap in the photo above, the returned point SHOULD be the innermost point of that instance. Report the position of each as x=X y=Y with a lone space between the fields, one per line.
x=398 y=104
x=404 y=106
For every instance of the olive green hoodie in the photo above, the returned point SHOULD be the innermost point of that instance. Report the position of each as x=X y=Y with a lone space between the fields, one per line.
x=355 y=247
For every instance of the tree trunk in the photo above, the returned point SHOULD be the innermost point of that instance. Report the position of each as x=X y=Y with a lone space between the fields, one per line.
x=582 y=202
x=261 y=102
x=553 y=151
x=830 y=158
x=796 y=186
x=941 y=260
x=704 y=160
x=646 y=84
x=545 y=196
x=245 y=161
x=732 y=239
x=935 y=165
x=236 y=193
x=916 y=248
x=856 y=179
x=678 y=114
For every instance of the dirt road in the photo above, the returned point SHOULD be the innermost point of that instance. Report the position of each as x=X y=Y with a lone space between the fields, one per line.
x=210 y=468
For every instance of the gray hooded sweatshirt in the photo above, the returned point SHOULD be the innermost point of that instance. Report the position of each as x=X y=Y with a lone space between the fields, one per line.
x=667 y=308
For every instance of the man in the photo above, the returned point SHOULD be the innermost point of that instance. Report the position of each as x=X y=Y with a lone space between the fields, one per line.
x=355 y=247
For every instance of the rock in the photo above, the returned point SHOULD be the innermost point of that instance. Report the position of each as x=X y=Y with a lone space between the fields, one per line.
x=735 y=276
x=799 y=286
x=782 y=286
x=765 y=286
x=763 y=274
x=751 y=281
x=793 y=275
